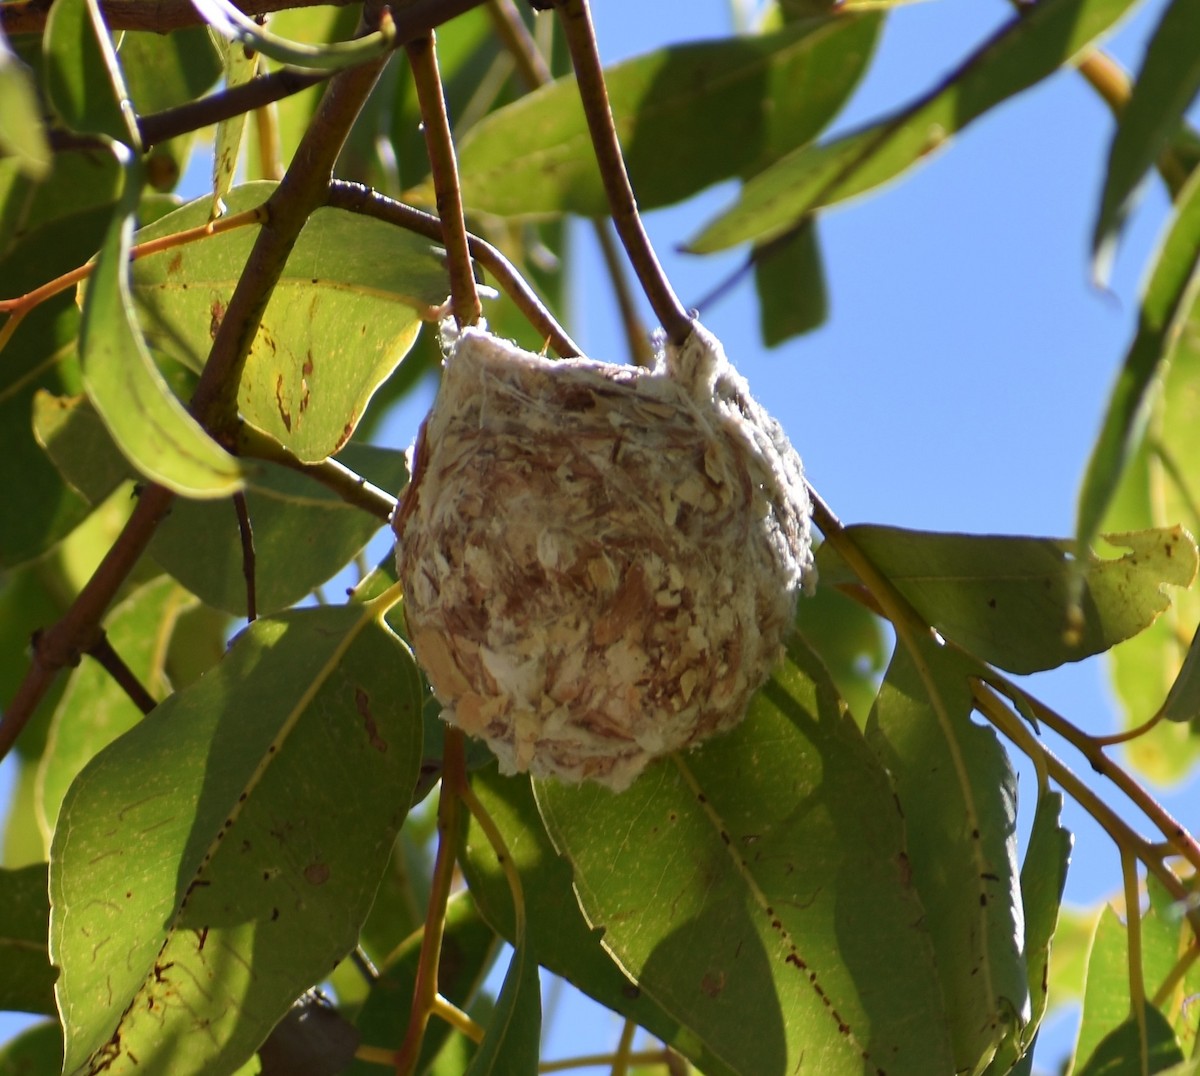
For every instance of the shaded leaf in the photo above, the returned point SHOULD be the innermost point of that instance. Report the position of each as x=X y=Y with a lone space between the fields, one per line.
x=1007 y=599
x=36 y=1051
x=1131 y=1044
x=94 y=710
x=511 y=1044
x=559 y=936
x=758 y=889
x=790 y=280
x=703 y=100
x=26 y=977
x=958 y=793
x=1033 y=45
x=343 y=316
x=1166 y=85
x=154 y=431
x=238 y=834
x=1166 y=302
x=303 y=532
x=82 y=77
x=311 y=1040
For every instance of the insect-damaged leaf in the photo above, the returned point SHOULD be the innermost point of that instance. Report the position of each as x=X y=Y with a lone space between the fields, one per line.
x=237 y=835
x=1007 y=599
x=344 y=314
x=758 y=889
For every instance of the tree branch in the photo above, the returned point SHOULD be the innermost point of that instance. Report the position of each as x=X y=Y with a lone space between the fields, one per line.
x=103 y=653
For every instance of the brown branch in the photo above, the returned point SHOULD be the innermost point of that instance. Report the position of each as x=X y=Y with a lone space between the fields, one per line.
x=581 y=42
x=103 y=653
x=246 y=532
x=356 y=198
x=443 y=164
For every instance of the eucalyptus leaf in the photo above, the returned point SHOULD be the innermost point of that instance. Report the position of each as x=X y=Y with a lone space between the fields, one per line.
x=959 y=798
x=26 y=977
x=704 y=100
x=1032 y=46
x=1166 y=85
x=511 y=1044
x=1007 y=600
x=154 y=431
x=1132 y=1044
x=238 y=834
x=790 y=280
x=35 y=1051
x=22 y=132
x=345 y=313
x=759 y=890
x=1166 y=303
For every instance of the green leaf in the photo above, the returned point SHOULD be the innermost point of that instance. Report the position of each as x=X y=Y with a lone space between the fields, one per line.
x=83 y=78
x=153 y=429
x=238 y=834
x=35 y=1052
x=343 y=316
x=1043 y=876
x=958 y=794
x=511 y=1045
x=1166 y=85
x=1033 y=45
x=1147 y=1046
x=22 y=133
x=1007 y=599
x=94 y=710
x=26 y=977
x=303 y=532
x=1166 y=303
x=240 y=66
x=790 y=280
x=725 y=108
x=560 y=938
x=758 y=889
x=313 y=1039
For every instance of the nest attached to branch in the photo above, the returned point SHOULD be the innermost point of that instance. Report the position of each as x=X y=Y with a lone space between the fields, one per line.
x=600 y=562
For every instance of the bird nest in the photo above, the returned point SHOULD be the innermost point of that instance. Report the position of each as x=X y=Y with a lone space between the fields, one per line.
x=600 y=562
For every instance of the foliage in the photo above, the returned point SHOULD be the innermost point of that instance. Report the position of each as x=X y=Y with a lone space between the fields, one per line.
x=222 y=855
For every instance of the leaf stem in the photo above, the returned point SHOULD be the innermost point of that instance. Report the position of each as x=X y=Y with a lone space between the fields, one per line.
x=105 y=655
x=356 y=198
x=246 y=533
x=620 y=1065
x=1133 y=953
x=425 y=992
x=457 y=1019
x=443 y=163
x=576 y=20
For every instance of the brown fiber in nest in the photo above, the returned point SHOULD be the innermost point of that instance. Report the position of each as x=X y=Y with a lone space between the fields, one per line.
x=600 y=562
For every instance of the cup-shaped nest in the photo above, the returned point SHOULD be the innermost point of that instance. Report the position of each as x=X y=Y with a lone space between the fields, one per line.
x=600 y=562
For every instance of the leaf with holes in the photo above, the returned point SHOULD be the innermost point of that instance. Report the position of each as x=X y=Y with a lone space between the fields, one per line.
x=759 y=890
x=345 y=313
x=237 y=835
x=959 y=797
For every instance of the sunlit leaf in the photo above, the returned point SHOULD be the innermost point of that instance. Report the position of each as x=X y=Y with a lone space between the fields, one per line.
x=345 y=313
x=790 y=280
x=705 y=101
x=759 y=889
x=1033 y=45
x=154 y=431
x=1166 y=85
x=83 y=78
x=26 y=977
x=303 y=532
x=22 y=132
x=240 y=66
x=559 y=935
x=1007 y=599
x=238 y=834
x=1132 y=1044
x=1166 y=303
x=958 y=794
x=512 y=1041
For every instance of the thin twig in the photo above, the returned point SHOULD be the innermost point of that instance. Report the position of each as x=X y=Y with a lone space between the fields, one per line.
x=581 y=42
x=636 y=337
x=102 y=652
x=357 y=198
x=246 y=533
x=443 y=164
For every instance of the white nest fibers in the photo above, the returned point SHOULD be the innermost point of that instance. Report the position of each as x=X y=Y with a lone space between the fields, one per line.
x=600 y=562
